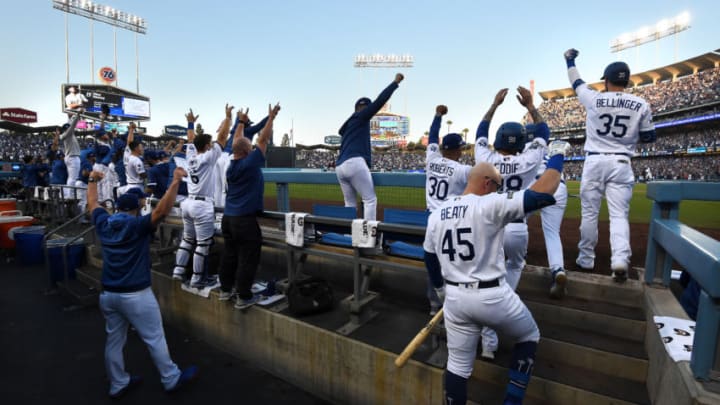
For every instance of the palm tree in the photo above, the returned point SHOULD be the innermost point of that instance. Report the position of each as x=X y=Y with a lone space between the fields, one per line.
x=449 y=122
x=465 y=132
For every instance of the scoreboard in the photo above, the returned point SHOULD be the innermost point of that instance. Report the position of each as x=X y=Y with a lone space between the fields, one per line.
x=124 y=105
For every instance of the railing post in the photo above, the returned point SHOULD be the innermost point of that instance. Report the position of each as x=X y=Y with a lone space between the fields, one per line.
x=283 y=196
x=706 y=336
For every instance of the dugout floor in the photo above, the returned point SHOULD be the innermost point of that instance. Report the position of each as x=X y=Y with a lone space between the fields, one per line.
x=53 y=353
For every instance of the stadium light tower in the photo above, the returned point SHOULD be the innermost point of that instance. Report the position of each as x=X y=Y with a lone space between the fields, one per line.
x=663 y=28
x=383 y=61
x=105 y=14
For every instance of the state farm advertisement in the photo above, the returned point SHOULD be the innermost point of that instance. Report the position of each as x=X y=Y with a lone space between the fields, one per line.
x=19 y=115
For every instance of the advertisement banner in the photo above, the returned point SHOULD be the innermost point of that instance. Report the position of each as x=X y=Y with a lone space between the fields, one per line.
x=19 y=115
x=124 y=105
x=175 y=130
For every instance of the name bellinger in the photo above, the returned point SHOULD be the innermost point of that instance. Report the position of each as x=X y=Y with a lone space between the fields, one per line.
x=618 y=103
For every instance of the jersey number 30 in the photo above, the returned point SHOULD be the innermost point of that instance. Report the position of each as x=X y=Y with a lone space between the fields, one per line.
x=449 y=245
x=438 y=188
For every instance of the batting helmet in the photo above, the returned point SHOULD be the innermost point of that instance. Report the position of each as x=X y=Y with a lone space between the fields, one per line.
x=617 y=73
x=529 y=132
x=510 y=137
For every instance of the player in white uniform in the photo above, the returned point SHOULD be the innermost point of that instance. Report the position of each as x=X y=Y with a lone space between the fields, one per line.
x=551 y=218
x=134 y=166
x=461 y=247
x=198 y=210
x=518 y=171
x=74 y=100
x=445 y=176
x=615 y=122
x=72 y=154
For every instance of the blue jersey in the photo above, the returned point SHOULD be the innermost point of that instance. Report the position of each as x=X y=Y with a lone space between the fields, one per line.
x=248 y=133
x=58 y=172
x=159 y=178
x=246 y=185
x=118 y=147
x=29 y=175
x=125 y=250
x=355 y=132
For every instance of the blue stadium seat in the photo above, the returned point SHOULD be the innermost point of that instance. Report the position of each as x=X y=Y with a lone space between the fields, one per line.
x=397 y=244
x=332 y=234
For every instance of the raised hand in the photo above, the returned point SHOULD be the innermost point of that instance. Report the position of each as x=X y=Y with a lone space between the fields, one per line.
x=441 y=110
x=558 y=148
x=500 y=96
x=399 y=77
x=191 y=117
x=524 y=97
x=228 y=111
x=273 y=111
x=571 y=54
x=242 y=116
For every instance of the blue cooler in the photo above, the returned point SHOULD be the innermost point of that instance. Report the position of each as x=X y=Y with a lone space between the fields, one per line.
x=56 y=265
x=28 y=244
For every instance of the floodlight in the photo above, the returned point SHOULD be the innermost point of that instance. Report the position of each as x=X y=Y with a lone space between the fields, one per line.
x=683 y=19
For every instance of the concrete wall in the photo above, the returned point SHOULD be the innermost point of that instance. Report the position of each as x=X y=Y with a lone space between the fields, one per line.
x=324 y=363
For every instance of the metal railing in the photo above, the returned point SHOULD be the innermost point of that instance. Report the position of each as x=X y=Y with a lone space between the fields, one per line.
x=699 y=254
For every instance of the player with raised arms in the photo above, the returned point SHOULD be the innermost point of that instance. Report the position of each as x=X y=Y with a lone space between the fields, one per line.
x=198 y=210
x=518 y=169
x=354 y=161
x=446 y=177
x=616 y=121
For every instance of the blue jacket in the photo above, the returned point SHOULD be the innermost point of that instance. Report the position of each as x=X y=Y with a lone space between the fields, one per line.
x=355 y=131
x=248 y=133
x=125 y=250
x=58 y=173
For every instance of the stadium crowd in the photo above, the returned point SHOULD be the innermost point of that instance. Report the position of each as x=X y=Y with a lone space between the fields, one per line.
x=694 y=90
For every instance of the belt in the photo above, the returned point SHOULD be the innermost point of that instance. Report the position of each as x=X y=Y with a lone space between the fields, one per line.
x=518 y=221
x=199 y=198
x=609 y=153
x=476 y=284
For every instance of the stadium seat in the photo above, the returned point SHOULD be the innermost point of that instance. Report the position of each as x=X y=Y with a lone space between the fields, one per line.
x=397 y=244
x=333 y=234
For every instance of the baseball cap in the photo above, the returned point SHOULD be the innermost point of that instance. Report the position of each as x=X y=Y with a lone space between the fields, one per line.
x=617 y=73
x=530 y=132
x=138 y=192
x=128 y=202
x=452 y=141
x=134 y=144
x=363 y=101
x=161 y=155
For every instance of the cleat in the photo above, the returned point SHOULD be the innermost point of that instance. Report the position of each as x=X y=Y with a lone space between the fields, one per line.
x=135 y=380
x=619 y=273
x=584 y=268
x=225 y=295
x=559 y=282
x=243 y=304
x=198 y=281
x=180 y=277
x=186 y=377
x=487 y=354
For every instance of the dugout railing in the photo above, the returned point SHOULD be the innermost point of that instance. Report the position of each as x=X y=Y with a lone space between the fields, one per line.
x=668 y=240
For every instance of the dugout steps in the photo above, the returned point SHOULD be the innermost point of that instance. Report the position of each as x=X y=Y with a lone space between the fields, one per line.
x=593 y=347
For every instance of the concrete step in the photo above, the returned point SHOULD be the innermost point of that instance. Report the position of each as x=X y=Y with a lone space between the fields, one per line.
x=593 y=322
x=555 y=383
x=595 y=288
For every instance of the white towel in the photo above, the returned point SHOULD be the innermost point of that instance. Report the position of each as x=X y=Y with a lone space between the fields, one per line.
x=364 y=233
x=37 y=192
x=294 y=228
x=46 y=194
x=677 y=335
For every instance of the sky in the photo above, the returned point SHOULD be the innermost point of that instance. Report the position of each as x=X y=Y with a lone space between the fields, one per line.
x=201 y=55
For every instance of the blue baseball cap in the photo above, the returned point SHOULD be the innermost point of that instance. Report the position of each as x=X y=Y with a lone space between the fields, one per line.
x=452 y=141
x=617 y=73
x=128 y=202
x=161 y=155
x=362 y=101
x=137 y=191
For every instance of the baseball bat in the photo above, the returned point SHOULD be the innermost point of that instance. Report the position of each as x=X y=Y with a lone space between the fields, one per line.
x=418 y=339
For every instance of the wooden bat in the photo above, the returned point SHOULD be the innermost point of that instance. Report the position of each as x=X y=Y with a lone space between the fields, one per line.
x=418 y=339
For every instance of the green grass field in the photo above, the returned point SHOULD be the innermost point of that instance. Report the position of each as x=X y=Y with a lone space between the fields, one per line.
x=694 y=213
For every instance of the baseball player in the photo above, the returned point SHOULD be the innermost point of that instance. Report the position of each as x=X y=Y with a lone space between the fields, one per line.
x=134 y=166
x=445 y=176
x=72 y=153
x=198 y=210
x=518 y=171
x=354 y=161
x=103 y=163
x=615 y=122
x=74 y=100
x=461 y=247
x=551 y=218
